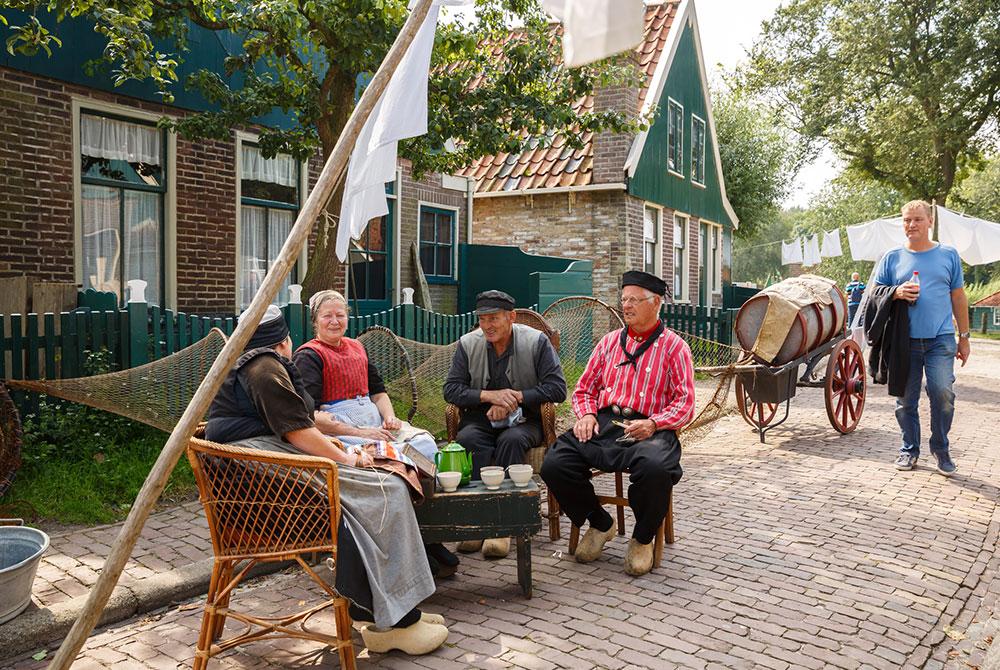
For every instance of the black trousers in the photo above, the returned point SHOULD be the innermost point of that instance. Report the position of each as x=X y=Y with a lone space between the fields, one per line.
x=654 y=466
x=496 y=446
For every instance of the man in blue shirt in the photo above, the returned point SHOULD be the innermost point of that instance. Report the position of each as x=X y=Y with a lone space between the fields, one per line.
x=939 y=296
x=855 y=289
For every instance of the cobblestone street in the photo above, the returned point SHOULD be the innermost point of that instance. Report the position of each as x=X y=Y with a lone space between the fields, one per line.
x=809 y=551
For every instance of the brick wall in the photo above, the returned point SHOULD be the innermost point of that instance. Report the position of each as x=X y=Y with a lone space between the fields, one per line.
x=610 y=150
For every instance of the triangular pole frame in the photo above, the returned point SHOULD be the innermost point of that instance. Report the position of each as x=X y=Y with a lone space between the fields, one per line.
x=313 y=208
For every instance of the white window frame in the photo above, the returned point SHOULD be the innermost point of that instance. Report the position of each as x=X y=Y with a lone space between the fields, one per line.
x=996 y=316
x=80 y=104
x=303 y=261
x=680 y=138
x=685 y=296
x=704 y=141
x=454 y=241
x=657 y=242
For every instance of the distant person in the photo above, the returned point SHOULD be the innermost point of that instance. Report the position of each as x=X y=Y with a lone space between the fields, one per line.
x=855 y=289
x=932 y=349
x=500 y=376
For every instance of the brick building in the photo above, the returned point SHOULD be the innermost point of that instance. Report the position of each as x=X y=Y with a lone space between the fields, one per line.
x=93 y=193
x=654 y=201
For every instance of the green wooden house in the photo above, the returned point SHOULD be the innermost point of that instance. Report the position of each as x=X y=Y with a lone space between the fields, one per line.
x=654 y=201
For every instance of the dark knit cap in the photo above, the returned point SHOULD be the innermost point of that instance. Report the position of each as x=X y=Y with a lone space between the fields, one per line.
x=272 y=329
x=489 y=302
x=644 y=280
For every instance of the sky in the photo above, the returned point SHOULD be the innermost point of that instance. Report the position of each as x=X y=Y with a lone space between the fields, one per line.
x=728 y=29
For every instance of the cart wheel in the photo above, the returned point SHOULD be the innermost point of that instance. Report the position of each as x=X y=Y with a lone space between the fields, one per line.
x=757 y=414
x=845 y=386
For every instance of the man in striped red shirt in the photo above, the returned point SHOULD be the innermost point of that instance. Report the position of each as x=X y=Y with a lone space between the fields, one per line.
x=635 y=393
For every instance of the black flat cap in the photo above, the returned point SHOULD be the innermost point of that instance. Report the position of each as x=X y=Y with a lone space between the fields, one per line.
x=644 y=280
x=271 y=330
x=490 y=302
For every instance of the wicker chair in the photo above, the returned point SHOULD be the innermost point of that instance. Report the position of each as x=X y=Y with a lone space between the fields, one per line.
x=264 y=507
x=534 y=457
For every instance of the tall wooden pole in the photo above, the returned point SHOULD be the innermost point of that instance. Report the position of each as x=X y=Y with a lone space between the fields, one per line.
x=176 y=443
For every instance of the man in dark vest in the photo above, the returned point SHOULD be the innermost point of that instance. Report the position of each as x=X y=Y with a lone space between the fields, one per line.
x=500 y=375
x=634 y=395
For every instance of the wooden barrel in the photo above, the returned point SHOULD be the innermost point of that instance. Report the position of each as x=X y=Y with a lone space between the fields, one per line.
x=814 y=324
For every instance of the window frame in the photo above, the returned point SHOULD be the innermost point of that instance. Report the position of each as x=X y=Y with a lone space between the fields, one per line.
x=80 y=105
x=657 y=238
x=301 y=265
x=366 y=305
x=996 y=316
x=685 y=293
x=677 y=170
x=695 y=119
x=719 y=233
x=438 y=208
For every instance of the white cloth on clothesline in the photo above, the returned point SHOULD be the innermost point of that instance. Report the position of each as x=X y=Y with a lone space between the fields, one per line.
x=976 y=241
x=810 y=251
x=831 y=244
x=791 y=252
x=596 y=29
x=870 y=241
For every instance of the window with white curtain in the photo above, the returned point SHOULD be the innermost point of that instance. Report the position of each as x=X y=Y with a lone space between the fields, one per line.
x=651 y=240
x=996 y=316
x=717 y=259
x=697 y=150
x=675 y=137
x=269 y=203
x=680 y=257
x=123 y=183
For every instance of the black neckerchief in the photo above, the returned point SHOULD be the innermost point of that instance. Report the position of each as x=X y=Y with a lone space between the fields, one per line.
x=647 y=343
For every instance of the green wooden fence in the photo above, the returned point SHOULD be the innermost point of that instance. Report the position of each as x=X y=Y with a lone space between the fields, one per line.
x=54 y=346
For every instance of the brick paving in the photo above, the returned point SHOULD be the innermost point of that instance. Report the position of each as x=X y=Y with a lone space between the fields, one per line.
x=808 y=552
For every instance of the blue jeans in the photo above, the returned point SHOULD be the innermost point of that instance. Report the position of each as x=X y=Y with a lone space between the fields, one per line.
x=935 y=358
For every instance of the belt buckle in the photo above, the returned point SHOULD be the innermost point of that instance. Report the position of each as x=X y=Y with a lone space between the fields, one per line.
x=627 y=411
x=615 y=409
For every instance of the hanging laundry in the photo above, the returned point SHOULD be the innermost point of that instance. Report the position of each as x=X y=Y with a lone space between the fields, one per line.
x=791 y=252
x=831 y=244
x=810 y=251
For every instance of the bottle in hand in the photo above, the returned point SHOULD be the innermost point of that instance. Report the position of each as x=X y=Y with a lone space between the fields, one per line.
x=915 y=280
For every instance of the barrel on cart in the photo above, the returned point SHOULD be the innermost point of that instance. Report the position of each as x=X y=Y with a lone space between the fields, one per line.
x=799 y=321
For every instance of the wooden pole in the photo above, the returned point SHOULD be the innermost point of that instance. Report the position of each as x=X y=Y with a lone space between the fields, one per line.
x=176 y=443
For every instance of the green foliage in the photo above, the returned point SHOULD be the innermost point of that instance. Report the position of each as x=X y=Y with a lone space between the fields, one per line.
x=83 y=465
x=847 y=200
x=906 y=91
x=758 y=160
x=980 y=290
x=979 y=195
x=29 y=38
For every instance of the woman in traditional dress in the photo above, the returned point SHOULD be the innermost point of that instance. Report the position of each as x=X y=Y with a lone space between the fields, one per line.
x=263 y=404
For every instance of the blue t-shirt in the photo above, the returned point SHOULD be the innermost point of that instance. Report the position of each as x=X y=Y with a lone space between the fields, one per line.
x=940 y=271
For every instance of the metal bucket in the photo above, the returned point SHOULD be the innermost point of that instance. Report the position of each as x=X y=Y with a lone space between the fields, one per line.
x=20 y=550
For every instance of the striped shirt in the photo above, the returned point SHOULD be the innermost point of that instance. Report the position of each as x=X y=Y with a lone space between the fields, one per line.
x=661 y=385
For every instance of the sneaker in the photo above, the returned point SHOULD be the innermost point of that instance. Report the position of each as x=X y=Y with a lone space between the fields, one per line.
x=906 y=462
x=945 y=465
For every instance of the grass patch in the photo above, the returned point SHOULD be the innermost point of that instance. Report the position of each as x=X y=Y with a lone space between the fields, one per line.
x=985 y=336
x=85 y=466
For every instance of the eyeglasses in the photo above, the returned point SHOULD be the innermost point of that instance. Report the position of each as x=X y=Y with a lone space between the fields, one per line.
x=632 y=301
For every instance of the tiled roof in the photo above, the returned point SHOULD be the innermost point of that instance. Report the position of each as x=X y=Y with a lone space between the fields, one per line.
x=990 y=301
x=557 y=164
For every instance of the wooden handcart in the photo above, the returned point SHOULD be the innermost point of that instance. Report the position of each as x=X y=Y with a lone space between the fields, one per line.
x=762 y=389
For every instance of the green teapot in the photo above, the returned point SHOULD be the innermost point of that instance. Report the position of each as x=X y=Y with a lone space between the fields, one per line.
x=452 y=457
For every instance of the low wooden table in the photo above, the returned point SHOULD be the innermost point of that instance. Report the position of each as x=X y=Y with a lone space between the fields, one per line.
x=474 y=513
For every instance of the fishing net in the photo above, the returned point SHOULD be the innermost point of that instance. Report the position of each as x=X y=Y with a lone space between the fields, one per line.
x=156 y=393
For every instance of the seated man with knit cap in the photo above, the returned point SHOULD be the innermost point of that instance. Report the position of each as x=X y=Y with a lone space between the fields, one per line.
x=634 y=395
x=500 y=376
x=380 y=566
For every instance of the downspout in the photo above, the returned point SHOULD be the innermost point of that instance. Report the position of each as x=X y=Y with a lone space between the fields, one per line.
x=470 y=192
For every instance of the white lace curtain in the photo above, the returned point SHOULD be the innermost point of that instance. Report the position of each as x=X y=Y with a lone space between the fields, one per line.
x=278 y=170
x=102 y=137
x=262 y=233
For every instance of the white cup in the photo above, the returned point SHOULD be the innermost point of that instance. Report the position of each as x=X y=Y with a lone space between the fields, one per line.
x=492 y=477
x=449 y=480
x=520 y=474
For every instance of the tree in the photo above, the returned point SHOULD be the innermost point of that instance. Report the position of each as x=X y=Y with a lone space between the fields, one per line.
x=907 y=92
x=759 y=162
x=491 y=90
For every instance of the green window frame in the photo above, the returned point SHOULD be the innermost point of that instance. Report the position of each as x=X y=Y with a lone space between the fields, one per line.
x=437 y=242
x=371 y=258
x=675 y=137
x=697 y=150
x=129 y=183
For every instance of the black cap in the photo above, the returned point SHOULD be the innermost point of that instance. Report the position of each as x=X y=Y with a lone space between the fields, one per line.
x=644 y=280
x=490 y=302
x=271 y=330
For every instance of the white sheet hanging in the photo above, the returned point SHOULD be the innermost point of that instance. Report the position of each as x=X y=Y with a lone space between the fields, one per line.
x=977 y=241
x=791 y=252
x=831 y=244
x=869 y=241
x=596 y=29
x=810 y=251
